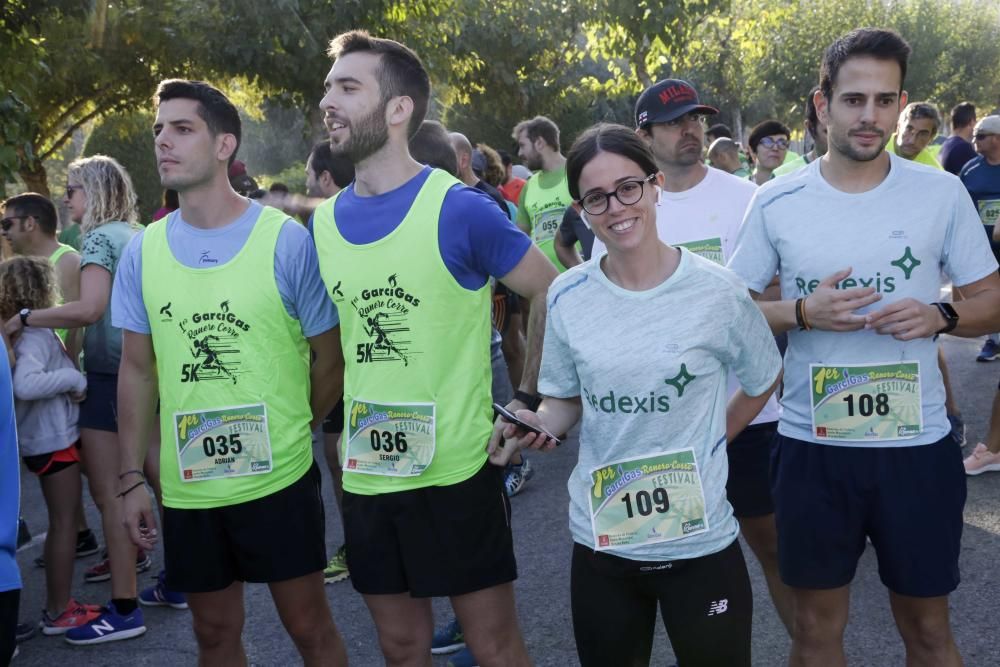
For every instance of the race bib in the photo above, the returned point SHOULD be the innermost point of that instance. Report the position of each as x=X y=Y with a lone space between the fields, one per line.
x=710 y=249
x=866 y=402
x=395 y=440
x=647 y=500
x=228 y=442
x=989 y=211
x=546 y=225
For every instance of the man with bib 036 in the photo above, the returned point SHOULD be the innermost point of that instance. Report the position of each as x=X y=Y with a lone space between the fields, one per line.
x=406 y=252
x=221 y=303
x=861 y=237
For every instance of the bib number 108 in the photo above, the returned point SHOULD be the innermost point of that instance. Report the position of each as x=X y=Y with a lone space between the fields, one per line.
x=388 y=441
x=867 y=405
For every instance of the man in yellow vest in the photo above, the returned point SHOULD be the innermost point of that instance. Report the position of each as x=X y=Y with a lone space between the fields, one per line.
x=221 y=303
x=918 y=125
x=545 y=196
x=407 y=252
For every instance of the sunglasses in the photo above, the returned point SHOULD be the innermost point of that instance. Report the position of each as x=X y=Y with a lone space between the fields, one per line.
x=768 y=142
x=7 y=223
x=983 y=135
x=70 y=189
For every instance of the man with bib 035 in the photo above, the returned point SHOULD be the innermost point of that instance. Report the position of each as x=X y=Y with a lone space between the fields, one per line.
x=221 y=303
x=861 y=237
x=406 y=252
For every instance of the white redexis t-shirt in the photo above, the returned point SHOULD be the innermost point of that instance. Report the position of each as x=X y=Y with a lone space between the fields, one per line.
x=706 y=219
x=650 y=368
x=898 y=237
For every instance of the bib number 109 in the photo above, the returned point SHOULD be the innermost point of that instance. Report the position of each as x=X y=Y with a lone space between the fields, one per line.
x=388 y=441
x=646 y=502
x=868 y=405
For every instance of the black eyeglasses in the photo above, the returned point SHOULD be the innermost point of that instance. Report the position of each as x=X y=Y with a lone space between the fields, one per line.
x=768 y=142
x=692 y=117
x=983 y=135
x=627 y=192
x=7 y=223
x=70 y=189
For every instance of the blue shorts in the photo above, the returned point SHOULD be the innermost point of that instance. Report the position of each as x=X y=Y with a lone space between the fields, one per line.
x=907 y=500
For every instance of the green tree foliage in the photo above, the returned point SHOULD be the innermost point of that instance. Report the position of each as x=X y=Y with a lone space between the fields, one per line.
x=128 y=139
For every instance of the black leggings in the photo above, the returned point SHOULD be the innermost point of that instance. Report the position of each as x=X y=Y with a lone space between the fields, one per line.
x=8 y=624
x=706 y=602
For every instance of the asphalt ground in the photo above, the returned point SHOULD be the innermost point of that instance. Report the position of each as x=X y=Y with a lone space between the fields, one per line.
x=543 y=550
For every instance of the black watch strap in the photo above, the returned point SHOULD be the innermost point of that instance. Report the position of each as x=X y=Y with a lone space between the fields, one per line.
x=24 y=316
x=949 y=315
x=530 y=400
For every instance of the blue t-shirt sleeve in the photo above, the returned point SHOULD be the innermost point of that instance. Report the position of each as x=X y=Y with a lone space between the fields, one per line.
x=128 y=309
x=476 y=239
x=296 y=270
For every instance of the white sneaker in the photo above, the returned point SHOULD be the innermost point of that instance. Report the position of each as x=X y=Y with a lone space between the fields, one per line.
x=981 y=460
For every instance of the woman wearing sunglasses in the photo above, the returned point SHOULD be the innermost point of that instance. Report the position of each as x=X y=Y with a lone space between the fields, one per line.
x=100 y=196
x=768 y=144
x=638 y=343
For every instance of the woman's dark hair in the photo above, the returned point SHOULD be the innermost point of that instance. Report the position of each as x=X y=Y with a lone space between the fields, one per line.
x=606 y=138
x=765 y=129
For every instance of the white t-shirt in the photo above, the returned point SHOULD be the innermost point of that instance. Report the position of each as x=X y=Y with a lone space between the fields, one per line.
x=898 y=237
x=706 y=220
x=650 y=368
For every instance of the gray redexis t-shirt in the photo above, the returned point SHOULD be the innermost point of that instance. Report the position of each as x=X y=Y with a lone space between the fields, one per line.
x=651 y=370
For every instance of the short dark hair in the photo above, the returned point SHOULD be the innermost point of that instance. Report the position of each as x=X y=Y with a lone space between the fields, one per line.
x=874 y=42
x=765 y=129
x=812 y=117
x=606 y=138
x=963 y=114
x=719 y=130
x=37 y=206
x=505 y=157
x=539 y=127
x=278 y=187
x=400 y=71
x=431 y=145
x=214 y=107
x=341 y=169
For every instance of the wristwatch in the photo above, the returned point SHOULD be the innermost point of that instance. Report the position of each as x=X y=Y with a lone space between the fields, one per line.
x=24 y=316
x=530 y=400
x=949 y=315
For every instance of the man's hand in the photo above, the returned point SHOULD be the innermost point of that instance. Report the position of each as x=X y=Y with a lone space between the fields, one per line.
x=13 y=326
x=517 y=438
x=138 y=516
x=907 y=319
x=833 y=309
x=78 y=396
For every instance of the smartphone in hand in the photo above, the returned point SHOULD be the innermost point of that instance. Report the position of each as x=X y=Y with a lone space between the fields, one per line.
x=512 y=418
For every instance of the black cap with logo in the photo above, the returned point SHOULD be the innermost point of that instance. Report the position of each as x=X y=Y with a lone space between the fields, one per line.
x=666 y=100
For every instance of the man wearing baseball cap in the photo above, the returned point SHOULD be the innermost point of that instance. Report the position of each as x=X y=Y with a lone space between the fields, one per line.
x=701 y=208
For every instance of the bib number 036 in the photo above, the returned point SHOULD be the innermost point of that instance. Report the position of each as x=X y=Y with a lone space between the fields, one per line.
x=388 y=441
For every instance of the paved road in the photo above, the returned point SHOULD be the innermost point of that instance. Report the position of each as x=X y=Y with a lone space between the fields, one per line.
x=543 y=549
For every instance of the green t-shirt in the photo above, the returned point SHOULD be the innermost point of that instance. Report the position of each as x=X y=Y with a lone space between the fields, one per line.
x=71 y=236
x=791 y=165
x=543 y=202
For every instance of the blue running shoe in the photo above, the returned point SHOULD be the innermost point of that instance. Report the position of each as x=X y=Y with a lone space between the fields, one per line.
x=110 y=626
x=161 y=596
x=463 y=658
x=448 y=639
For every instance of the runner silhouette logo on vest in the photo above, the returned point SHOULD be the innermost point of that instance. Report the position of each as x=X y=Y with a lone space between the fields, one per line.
x=213 y=339
x=384 y=312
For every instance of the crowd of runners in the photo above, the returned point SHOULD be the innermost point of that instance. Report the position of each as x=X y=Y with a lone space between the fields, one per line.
x=746 y=338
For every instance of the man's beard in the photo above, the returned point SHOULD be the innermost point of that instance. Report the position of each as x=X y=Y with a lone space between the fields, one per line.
x=367 y=137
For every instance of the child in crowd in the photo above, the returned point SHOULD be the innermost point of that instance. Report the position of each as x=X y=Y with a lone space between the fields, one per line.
x=47 y=389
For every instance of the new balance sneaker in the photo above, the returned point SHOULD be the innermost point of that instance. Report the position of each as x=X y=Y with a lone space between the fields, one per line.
x=110 y=626
x=516 y=476
x=989 y=352
x=161 y=596
x=463 y=658
x=448 y=639
x=957 y=429
x=981 y=460
x=86 y=545
x=74 y=616
x=336 y=569
x=102 y=571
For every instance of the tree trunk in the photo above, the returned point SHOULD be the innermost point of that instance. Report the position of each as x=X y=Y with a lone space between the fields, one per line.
x=35 y=178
